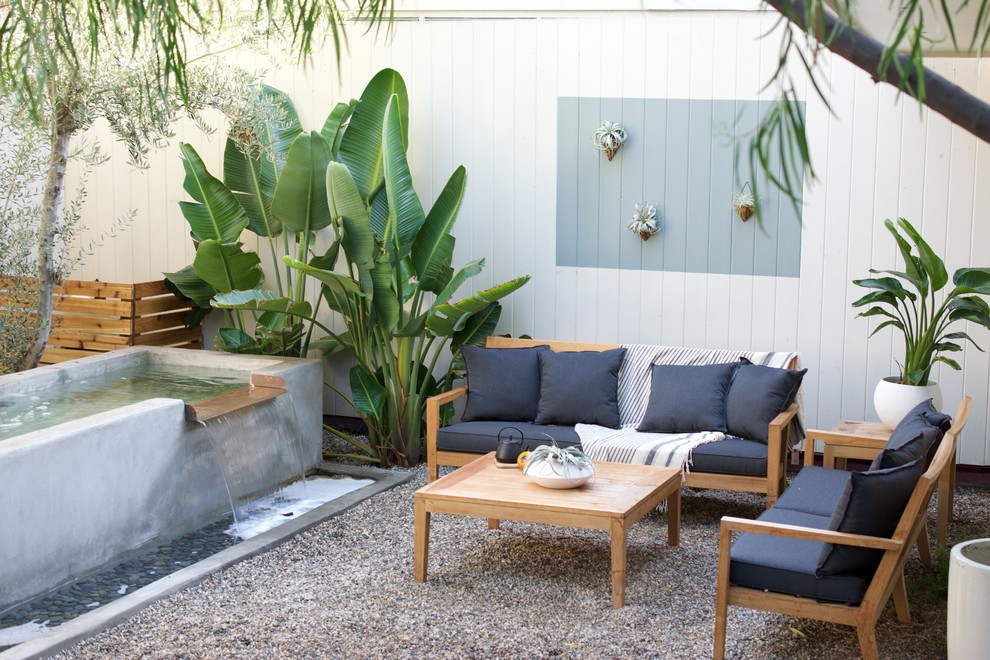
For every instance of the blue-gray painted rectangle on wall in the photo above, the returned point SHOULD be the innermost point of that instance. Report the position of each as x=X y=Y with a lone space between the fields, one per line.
x=681 y=156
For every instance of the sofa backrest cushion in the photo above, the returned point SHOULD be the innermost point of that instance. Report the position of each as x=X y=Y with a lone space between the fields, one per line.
x=580 y=387
x=687 y=399
x=916 y=436
x=756 y=396
x=503 y=383
x=871 y=504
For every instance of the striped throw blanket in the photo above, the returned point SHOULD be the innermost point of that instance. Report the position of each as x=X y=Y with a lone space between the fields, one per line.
x=627 y=445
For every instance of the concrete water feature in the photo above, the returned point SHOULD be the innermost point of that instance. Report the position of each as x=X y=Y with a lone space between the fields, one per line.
x=81 y=494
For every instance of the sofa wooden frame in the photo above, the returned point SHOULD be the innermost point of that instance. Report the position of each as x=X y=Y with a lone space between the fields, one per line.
x=772 y=485
x=888 y=580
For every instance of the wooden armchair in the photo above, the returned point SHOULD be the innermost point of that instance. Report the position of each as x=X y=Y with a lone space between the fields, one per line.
x=886 y=581
x=864 y=440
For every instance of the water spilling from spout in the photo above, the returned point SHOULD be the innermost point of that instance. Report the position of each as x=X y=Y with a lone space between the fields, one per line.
x=254 y=445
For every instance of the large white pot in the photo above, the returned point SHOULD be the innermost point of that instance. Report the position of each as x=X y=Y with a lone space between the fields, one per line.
x=551 y=475
x=969 y=600
x=894 y=400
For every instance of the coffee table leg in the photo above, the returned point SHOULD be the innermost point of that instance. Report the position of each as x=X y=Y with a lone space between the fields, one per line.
x=618 y=564
x=421 y=540
x=493 y=523
x=674 y=518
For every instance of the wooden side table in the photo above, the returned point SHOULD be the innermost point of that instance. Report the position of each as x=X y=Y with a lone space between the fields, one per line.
x=864 y=440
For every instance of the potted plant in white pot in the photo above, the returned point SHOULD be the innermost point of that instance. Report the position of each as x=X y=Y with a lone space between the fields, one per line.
x=910 y=300
x=552 y=466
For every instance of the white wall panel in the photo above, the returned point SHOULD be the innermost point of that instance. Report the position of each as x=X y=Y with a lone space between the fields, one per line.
x=484 y=94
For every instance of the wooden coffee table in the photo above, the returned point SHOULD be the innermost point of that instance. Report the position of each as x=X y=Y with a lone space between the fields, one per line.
x=614 y=499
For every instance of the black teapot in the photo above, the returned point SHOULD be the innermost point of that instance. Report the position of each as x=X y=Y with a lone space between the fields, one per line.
x=509 y=445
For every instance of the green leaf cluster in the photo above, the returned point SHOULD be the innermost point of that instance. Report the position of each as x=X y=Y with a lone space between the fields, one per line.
x=909 y=301
x=387 y=274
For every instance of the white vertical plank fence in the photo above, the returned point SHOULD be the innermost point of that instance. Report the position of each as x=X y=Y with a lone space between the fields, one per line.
x=483 y=93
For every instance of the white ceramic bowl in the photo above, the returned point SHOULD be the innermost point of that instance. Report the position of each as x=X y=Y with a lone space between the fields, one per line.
x=547 y=476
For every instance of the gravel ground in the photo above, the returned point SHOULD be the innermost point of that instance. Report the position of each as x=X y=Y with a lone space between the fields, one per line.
x=345 y=589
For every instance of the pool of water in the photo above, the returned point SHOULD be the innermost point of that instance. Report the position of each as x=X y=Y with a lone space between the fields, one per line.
x=39 y=409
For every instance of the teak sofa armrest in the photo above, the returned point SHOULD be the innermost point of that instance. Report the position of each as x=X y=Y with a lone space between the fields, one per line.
x=778 y=442
x=730 y=524
x=784 y=418
x=433 y=425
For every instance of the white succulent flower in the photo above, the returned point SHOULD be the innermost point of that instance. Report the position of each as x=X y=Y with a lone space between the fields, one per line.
x=609 y=137
x=644 y=221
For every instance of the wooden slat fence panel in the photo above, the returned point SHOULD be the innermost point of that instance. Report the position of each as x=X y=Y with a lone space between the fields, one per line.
x=96 y=317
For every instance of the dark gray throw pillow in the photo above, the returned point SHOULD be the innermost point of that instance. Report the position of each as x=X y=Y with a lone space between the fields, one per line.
x=687 y=399
x=503 y=383
x=871 y=505
x=580 y=387
x=916 y=436
x=757 y=395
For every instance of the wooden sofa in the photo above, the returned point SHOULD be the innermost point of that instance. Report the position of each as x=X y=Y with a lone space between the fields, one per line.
x=769 y=480
x=778 y=563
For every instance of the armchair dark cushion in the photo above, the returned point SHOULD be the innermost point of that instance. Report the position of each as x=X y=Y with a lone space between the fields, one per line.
x=687 y=399
x=580 y=387
x=871 y=504
x=503 y=383
x=756 y=396
x=916 y=436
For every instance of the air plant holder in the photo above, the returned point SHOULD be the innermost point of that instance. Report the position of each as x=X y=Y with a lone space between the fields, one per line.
x=744 y=203
x=609 y=137
x=644 y=221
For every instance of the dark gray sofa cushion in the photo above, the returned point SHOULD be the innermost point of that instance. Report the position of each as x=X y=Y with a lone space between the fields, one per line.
x=503 y=383
x=580 y=387
x=482 y=437
x=871 y=504
x=687 y=399
x=815 y=490
x=789 y=565
x=757 y=395
x=731 y=456
x=916 y=436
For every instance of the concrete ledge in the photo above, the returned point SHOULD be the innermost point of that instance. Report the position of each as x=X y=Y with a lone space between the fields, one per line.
x=102 y=618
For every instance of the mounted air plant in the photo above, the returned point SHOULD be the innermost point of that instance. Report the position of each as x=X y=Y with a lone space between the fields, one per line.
x=644 y=221
x=609 y=137
x=744 y=203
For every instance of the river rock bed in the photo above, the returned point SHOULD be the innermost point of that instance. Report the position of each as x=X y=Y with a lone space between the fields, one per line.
x=123 y=578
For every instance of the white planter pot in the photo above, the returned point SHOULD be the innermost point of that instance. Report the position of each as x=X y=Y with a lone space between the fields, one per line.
x=893 y=400
x=969 y=600
x=550 y=475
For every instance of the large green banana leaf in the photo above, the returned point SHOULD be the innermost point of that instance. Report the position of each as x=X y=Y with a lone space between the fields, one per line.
x=379 y=213
x=405 y=212
x=335 y=281
x=464 y=273
x=217 y=215
x=361 y=145
x=433 y=249
x=333 y=127
x=226 y=268
x=263 y=301
x=192 y=286
x=386 y=303
x=448 y=318
x=479 y=327
x=279 y=134
x=252 y=181
x=357 y=238
x=367 y=393
x=300 y=200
